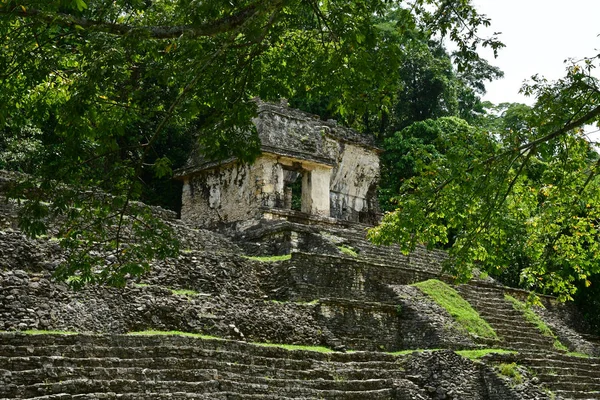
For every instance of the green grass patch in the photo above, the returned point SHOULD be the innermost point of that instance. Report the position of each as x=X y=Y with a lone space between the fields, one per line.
x=270 y=258
x=405 y=352
x=308 y=303
x=577 y=354
x=174 y=333
x=300 y=303
x=180 y=292
x=478 y=353
x=348 y=250
x=184 y=292
x=458 y=308
x=533 y=318
x=319 y=349
x=50 y=332
x=511 y=370
x=471 y=354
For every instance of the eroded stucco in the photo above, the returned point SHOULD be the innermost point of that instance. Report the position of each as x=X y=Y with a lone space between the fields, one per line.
x=353 y=184
x=339 y=172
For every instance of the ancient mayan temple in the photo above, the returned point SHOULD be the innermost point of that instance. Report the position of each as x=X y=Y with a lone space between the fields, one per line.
x=307 y=165
x=288 y=301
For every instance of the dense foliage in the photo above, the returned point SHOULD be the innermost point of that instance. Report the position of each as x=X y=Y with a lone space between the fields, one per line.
x=100 y=100
x=97 y=96
x=518 y=195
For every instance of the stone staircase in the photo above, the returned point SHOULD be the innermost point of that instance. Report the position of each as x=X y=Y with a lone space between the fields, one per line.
x=136 y=367
x=356 y=304
x=66 y=367
x=514 y=330
x=566 y=376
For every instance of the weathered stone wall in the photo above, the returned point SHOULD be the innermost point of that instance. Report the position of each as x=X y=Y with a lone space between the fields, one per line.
x=339 y=168
x=142 y=367
x=353 y=184
x=445 y=375
x=229 y=193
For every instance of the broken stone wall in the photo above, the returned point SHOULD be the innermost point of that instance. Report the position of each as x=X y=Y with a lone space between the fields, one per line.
x=355 y=161
x=339 y=169
x=354 y=180
x=233 y=192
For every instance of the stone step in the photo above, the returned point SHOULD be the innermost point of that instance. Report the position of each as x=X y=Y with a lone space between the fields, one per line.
x=316 y=389
x=553 y=369
x=146 y=352
x=136 y=396
x=540 y=343
x=519 y=346
x=376 y=395
x=246 y=374
x=84 y=386
x=196 y=360
x=567 y=376
x=560 y=360
x=316 y=370
x=576 y=394
x=510 y=332
x=138 y=346
x=492 y=308
x=574 y=385
x=517 y=322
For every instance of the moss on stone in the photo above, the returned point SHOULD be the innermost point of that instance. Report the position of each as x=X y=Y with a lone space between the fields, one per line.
x=479 y=353
x=348 y=250
x=457 y=307
x=511 y=370
x=270 y=258
x=533 y=318
x=173 y=333
x=48 y=332
x=319 y=349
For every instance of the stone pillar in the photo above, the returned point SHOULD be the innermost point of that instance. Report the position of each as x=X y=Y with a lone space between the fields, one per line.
x=315 y=191
x=187 y=195
x=287 y=198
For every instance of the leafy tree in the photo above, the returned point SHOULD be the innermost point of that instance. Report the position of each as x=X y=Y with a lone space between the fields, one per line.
x=422 y=82
x=526 y=193
x=107 y=82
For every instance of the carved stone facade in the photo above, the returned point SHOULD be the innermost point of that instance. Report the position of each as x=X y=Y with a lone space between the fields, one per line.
x=307 y=165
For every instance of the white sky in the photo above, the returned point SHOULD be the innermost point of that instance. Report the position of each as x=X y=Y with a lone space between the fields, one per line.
x=539 y=35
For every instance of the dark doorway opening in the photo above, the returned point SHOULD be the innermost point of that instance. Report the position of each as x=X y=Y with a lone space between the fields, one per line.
x=292 y=190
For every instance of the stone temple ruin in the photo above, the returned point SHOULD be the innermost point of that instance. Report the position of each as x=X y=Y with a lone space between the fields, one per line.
x=335 y=318
x=307 y=165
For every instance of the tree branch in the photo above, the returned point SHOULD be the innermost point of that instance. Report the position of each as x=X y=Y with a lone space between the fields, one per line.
x=212 y=28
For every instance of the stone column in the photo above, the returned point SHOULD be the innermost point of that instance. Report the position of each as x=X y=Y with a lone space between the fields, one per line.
x=315 y=191
x=287 y=198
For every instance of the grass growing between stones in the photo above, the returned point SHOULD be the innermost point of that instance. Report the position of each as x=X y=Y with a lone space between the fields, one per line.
x=532 y=317
x=577 y=354
x=180 y=292
x=512 y=371
x=319 y=349
x=479 y=353
x=406 y=352
x=50 y=332
x=270 y=258
x=470 y=354
x=174 y=333
x=457 y=307
x=185 y=292
x=348 y=250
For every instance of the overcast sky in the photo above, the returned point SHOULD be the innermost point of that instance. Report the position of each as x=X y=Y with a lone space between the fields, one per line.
x=539 y=35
